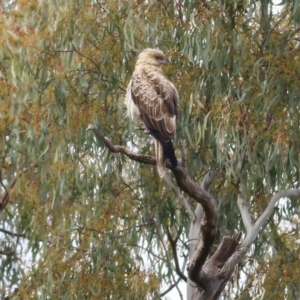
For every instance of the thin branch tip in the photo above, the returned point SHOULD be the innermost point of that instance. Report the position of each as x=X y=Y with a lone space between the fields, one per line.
x=90 y=127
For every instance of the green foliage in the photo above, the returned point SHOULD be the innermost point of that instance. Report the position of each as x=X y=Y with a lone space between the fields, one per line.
x=93 y=219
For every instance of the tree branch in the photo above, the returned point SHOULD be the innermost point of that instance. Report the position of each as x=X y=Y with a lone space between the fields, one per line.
x=195 y=228
x=246 y=217
x=12 y=233
x=186 y=184
x=253 y=229
x=183 y=153
x=146 y=159
x=180 y=197
x=251 y=235
x=173 y=243
x=88 y=58
x=103 y=7
x=214 y=279
x=170 y=288
x=168 y=262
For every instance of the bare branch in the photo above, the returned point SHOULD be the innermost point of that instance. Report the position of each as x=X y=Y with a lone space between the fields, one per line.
x=12 y=233
x=118 y=234
x=170 y=288
x=102 y=6
x=295 y=193
x=180 y=196
x=253 y=229
x=168 y=262
x=88 y=58
x=146 y=159
x=251 y=235
x=246 y=217
x=173 y=243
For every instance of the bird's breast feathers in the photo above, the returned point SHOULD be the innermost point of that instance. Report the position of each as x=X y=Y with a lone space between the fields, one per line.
x=132 y=109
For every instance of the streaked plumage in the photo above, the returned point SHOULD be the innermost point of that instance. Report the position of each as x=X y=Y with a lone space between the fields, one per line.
x=154 y=98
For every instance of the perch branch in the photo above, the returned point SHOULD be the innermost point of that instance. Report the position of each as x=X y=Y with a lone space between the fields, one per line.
x=186 y=184
x=195 y=228
x=146 y=159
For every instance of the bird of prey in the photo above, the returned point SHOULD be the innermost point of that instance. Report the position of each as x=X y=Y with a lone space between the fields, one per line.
x=154 y=99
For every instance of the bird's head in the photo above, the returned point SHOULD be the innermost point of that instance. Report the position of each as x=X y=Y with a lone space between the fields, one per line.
x=153 y=57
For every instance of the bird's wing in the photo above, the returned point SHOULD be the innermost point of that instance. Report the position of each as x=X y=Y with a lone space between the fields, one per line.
x=157 y=100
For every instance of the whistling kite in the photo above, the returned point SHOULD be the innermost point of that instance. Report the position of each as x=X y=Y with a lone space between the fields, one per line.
x=152 y=97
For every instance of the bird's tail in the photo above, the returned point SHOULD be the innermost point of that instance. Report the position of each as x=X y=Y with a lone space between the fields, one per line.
x=163 y=151
x=160 y=157
x=170 y=152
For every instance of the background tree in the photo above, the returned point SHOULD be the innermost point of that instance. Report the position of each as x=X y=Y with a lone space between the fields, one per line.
x=80 y=222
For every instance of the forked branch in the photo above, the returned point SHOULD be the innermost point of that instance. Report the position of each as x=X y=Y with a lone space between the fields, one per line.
x=252 y=229
x=210 y=275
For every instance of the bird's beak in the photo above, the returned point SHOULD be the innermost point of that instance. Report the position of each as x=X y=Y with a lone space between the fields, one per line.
x=164 y=62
